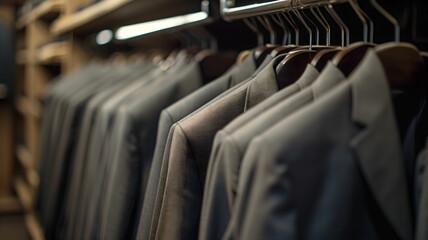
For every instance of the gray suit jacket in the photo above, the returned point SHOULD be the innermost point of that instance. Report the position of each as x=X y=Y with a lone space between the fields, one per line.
x=53 y=91
x=164 y=167
x=224 y=163
x=66 y=113
x=333 y=170
x=83 y=192
x=172 y=115
x=131 y=148
x=189 y=154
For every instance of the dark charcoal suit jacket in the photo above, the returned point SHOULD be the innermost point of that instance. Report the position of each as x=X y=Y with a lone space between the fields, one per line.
x=61 y=122
x=333 y=170
x=172 y=115
x=228 y=148
x=132 y=144
x=65 y=140
x=164 y=167
x=189 y=154
x=83 y=189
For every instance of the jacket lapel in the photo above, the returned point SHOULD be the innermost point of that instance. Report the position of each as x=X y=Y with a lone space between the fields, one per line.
x=263 y=85
x=377 y=146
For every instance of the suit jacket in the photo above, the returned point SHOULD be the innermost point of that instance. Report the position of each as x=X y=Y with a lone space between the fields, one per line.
x=66 y=111
x=333 y=170
x=224 y=163
x=173 y=114
x=82 y=205
x=53 y=91
x=82 y=193
x=164 y=167
x=189 y=154
x=132 y=144
x=74 y=107
x=99 y=154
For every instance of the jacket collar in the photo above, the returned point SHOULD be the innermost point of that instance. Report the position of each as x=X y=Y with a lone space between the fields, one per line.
x=242 y=71
x=308 y=76
x=264 y=84
x=328 y=78
x=377 y=146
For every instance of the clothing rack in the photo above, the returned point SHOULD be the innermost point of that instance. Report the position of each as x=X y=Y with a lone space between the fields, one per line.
x=229 y=12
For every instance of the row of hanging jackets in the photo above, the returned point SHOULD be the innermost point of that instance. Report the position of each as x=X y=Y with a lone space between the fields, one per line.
x=158 y=151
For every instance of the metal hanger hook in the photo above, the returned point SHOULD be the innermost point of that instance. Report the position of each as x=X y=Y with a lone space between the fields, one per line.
x=277 y=19
x=290 y=20
x=252 y=25
x=354 y=6
x=389 y=18
x=299 y=16
x=268 y=26
x=342 y=25
x=324 y=23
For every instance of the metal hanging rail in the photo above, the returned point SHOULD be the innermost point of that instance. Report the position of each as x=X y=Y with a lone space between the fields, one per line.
x=166 y=24
x=229 y=12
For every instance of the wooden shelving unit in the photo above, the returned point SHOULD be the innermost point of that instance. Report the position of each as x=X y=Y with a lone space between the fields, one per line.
x=115 y=13
x=76 y=20
x=48 y=10
x=53 y=53
x=36 y=53
x=52 y=36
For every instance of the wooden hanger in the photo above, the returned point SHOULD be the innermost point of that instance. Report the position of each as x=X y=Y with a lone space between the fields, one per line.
x=260 y=53
x=292 y=67
x=243 y=55
x=213 y=64
x=347 y=59
x=282 y=50
x=322 y=57
x=403 y=64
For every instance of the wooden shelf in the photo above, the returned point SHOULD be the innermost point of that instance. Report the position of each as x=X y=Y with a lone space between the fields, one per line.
x=10 y=205
x=24 y=193
x=48 y=10
x=27 y=201
x=28 y=107
x=34 y=227
x=53 y=53
x=27 y=161
x=115 y=13
x=89 y=14
x=22 y=57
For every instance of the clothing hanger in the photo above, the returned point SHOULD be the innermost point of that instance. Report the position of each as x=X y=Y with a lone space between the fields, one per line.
x=212 y=63
x=370 y=26
x=403 y=64
x=276 y=19
x=347 y=59
x=316 y=47
x=321 y=59
x=294 y=64
x=389 y=18
x=261 y=51
x=357 y=11
x=345 y=35
x=318 y=15
x=287 y=48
